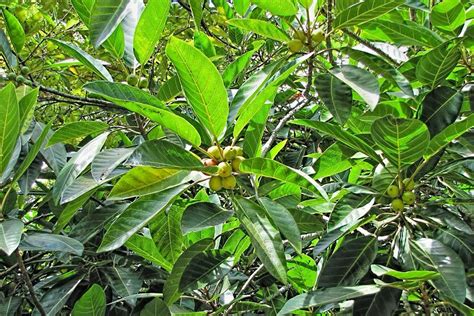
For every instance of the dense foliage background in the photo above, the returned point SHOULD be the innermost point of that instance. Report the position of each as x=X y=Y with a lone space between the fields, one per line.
x=352 y=192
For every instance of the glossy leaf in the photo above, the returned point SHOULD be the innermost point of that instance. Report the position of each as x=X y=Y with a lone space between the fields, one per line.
x=91 y=303
x=448 y=15
x=106 y=15
x=146 y=248
x=350 y=209
x=124 y=281
x=208 y=98
x=9 y=125
x=15 y=30
x=51 y=242
x=27 y=104
x=282 y=7
x=260 y=27
x=129 y=26
x=9 y=305
x=404 y=275
x=155 y=308
x=106 y=161
x=199 y=216
x=75 y=130
x=165 y=229
x=55 y=299
x=10 y=235
x=337 y=96
x=6 y=50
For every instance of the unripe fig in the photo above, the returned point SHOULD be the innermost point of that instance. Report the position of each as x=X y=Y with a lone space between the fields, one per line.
x=25 y=70
x=236 y=163
x=215 y=152
x=408 y=197
x=295 y=45
x=408 y=184
x=225 y=169
x=317 y=36
x=229 y=153
x=300 y=35
x=239 y=151
x=132 y=80
x=393 y=191
x=397 y=205
x=229 y=182
x=143 y=83
x=20 y=79
x=11 y=76
x=209 y=162
x=215 y=183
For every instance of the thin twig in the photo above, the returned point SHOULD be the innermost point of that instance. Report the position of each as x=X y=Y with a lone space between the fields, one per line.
x=26 y=277
x=328 y=32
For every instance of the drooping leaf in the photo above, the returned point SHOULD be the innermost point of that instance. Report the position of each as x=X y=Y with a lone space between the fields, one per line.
x=15 y=30
x=199 y=216
x=106 y=162
x=337 y=96
x=365 y=11
x=6 y=50
x=106 y=15
x=9 y=125
x=326 y=296
x=51 y=242
x=91 y=303
x=10 y=235
x=86 y=59
x=209 y=104
x=149 y=28
x=260 y=27
x=129 y=26
x=75 y=130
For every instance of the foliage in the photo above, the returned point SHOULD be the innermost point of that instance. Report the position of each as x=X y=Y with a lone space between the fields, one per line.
x=240 y=157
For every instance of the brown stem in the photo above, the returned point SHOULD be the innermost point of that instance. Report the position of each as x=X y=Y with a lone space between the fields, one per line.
x=27 y=280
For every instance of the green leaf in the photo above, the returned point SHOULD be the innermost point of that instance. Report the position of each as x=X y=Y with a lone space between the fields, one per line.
x=210 y=105
x=145 y=180
x=150 y=28
x=335 y=159
x=282 y=7
x=51 y=242
x=55 y=155
x=349 y=264
x=199 y=216
x=234 y=69
x=155 y=308
x=27 y=104
x=6 y=50
x=171 y=289
x=70 y=210
x=362 y=81
x=441 y=108
x=276 y=170
x=76 y=165
x=253 y=135
x=341 y=135
x=302 y=272
x=196 y=9
x=284 y=221
x=55 y=298
x=435 y=256
x=165 y=229
x=140 y=102
x=91 y=303
x=75 y=130
x=260 y=27
x=349 y=209
x=204 y=44
x=106 y=15
x=336 y=95
x=364 y=11
x=86 y=59
x=401 y=33
x=437 y=64
x=137 y=215
x=169 y=89
x=15 y=30
x=146 y=248
x=447 y=135
x=106 y=162
x=418 y=275
x=448 y=15
x=124 y=281
x=327 y=296
x=129 y=25
x=264 y=236
x=9 y=125
x=9 y=305
x=10 y=235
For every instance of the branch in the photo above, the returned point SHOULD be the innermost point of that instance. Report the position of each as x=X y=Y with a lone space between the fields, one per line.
x=21 y=265
x=328 y=32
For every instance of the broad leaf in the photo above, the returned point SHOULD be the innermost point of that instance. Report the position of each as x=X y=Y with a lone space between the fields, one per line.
x=419 y=275
x=105 y=17
x=448 y=15
x=146 y=248
x=55 y=299
x=155 y=308
x=364 y=12
x=9 y=125
x=106 y=162
x=15 y=30
x=349 y=209
x=91 y=303
x=282 y=7
x=337 y=96
x=124 y=281
x=9 y=305
x=165 y=228
x=129 y=25
x=6 y=50
x=51 y=242
x=260 y=27
x=10 y=235
x=199 y=216
x=208 y=98
x=75 y=130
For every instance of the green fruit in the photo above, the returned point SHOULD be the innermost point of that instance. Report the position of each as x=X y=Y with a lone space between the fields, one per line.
x=239 y=151
x=37 y=17
x=215 y=152
x=236 y=163
x=393 y=191
x=20 y=79
x=229 y=182
x=25 y=70
x=11 y=76
x=295 y=45
x=300 y=35
x=132 y=80
x=318 y=36
x=21 y=14
x=215 y=183
x=408 y=184
x=408 y=197
x=397 y=205
x=229 y=153
x=143 y=83
x=225 y=169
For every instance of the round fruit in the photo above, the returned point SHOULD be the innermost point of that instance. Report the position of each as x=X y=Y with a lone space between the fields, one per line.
x=318 y=36
x=229 y=182
x=229 y=153
x=239 y=151
x=215 y=183
x=38 y=16
x=236 y=163
x=132 y=80
x=209 y=162
x=408 y=184
x=397 y=205
x=20 y=79
x=143 y=83
x=393 y=191
x=225 y=169
x=295 y=45
x=21 y=14
x=408 y=197
x=299 y=34
x=215 y=152
x=11 y=76
x=25 y=70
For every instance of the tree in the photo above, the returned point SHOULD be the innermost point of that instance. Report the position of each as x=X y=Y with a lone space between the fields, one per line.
x=235 y=157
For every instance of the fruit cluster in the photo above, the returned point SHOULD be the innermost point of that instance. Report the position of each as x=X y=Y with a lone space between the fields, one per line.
x=133 y=80
x=403 y=195
x=300 y=39
x=227 y=161
x=12 y=76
